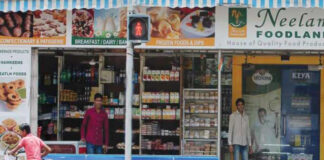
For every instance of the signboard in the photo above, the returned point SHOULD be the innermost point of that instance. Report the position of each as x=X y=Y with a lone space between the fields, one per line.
x=179 y=27
x=15 y=74
x=99 y=27
x=284 y=28
x=33 y=28
x=217 y=27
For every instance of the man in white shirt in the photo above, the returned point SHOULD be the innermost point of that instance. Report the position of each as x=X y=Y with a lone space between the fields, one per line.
x=264 y=132
x=239 y=135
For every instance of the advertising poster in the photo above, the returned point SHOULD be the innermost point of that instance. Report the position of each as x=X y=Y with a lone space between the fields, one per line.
x=33 y=28
x=99 y=27
x=264 y=28
x=262 y=93
x=182 y=26
x=15 y=72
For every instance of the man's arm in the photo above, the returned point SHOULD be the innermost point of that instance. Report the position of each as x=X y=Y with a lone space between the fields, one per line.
x=249 y=138
x=13 y=151
x=46 y=151
x=84 y=126
x=230 y=133
x=230 y=129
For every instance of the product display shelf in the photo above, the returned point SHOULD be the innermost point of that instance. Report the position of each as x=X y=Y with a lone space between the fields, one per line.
x=78 y=83
x=114 y=103
x=160 y=106
x=201 y=128
x=47 y=101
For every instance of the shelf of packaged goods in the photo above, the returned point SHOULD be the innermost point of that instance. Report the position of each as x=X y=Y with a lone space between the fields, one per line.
x=201 y=100
x=161 y=82
x=200 y=127
x=161 y=119
x=173 y=136
x=107 y=105
x=161 y=103
x=200 y=139
x=202 y=113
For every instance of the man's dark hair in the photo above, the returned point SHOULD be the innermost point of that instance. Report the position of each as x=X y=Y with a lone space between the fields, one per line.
x=98 y=95
x=25 y=127
x=240 y=100
x=262 y=110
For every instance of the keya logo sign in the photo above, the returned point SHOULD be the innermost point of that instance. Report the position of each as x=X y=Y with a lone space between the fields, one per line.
x=237 y=23
x=302 y=76
x=262 y=77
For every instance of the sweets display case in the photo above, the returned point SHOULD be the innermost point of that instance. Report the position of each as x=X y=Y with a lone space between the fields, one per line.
x=201 y=117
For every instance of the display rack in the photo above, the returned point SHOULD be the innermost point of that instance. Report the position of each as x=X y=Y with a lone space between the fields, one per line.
x=78 y=84
x=47 y=101
x=113 y=82
x=160 y=105
x=201 y=127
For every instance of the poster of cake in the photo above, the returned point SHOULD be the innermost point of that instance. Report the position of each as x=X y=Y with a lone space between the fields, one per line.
x=182 y=26
x=46 y=27
x=15 y=74
x=99 y=27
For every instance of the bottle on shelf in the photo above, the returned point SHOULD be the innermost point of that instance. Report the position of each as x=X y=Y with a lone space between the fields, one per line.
x=68 y=75
x=54 y=78
x=74 y=74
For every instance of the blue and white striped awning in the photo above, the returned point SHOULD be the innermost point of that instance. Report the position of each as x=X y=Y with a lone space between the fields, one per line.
x=247 y=3
x=24 y=5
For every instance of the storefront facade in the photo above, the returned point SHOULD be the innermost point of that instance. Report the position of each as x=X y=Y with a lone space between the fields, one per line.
x=193 y=42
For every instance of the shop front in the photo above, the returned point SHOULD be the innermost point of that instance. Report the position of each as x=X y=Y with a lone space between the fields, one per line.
x=183 y=77
x=283 y=99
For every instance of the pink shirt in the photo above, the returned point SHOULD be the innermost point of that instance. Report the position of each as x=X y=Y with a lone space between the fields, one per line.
x=95 y=127
x=33 y=146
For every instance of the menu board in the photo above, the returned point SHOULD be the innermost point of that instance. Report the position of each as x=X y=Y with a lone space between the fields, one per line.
x=33 y=28
x=15 y=73
x=182 y=26
x=99 y=27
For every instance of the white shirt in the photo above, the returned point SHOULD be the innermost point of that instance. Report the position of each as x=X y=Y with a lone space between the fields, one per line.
x=264 y=134
x=239 y=130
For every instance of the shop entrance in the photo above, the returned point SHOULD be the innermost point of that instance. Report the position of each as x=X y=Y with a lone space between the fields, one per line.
x=283 y=104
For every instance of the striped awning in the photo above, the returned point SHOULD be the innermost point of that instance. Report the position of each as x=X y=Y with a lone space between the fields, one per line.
x=24 y=5
x=246 y=3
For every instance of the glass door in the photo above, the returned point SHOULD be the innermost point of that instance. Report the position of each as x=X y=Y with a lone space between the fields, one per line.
x=283 y=104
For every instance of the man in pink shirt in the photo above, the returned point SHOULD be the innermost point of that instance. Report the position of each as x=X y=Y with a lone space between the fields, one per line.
x=32 y=144
x=94 y=129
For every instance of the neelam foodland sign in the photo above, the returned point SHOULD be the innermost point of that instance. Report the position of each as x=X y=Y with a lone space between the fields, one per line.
x=293 y=28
